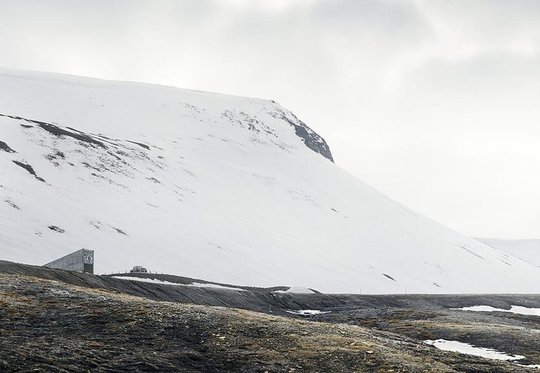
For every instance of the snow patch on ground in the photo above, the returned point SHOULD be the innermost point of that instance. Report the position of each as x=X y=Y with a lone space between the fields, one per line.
x=161 y=282
x=149 y=280
x=514 y=309
x=465 y=348
x=308 y=312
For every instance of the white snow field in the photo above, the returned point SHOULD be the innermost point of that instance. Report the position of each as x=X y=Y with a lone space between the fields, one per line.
x=465 y=348
x=215 y=187
x=519 y=310
x=162 y=282
x=308 y=312
x=528 y=250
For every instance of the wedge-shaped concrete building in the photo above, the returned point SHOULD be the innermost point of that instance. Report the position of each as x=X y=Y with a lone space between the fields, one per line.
x=79 y=261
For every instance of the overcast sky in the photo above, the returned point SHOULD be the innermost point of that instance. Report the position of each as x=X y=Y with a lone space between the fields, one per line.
x=435 y=103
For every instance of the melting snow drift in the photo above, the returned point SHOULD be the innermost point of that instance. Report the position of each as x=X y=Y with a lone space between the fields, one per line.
x=308 y=312
x=229 y=189
x=465 y=348
x=514 y=309
x=162 y=282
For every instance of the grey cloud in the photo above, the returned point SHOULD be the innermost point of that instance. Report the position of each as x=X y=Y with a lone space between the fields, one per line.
x=415 y=97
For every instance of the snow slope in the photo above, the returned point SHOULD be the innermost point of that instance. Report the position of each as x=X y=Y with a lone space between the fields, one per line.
x=528 y=250
x=229 y=189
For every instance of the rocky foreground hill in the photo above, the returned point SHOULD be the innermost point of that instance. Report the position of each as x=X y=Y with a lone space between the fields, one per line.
x=48 y=324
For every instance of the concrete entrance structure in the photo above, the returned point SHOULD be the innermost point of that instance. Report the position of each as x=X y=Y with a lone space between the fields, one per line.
x=79 y=261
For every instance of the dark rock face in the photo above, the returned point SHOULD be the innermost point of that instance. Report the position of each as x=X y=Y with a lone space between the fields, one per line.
x=310 y=138
x=60 y=132
x=140 y=144
x=5 y=147
x=56 y=229
x=313 y=140
x=30 y=170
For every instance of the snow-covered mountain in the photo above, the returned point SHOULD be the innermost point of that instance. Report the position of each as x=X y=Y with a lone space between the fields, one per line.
x=228 y=189
x=528 y=250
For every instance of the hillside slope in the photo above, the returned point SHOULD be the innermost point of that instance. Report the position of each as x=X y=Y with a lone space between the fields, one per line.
x=228 y=189
x=528 y=250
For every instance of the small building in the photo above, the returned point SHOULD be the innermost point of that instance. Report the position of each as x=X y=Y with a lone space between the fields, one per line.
x=138 y=269
x=78 y=261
